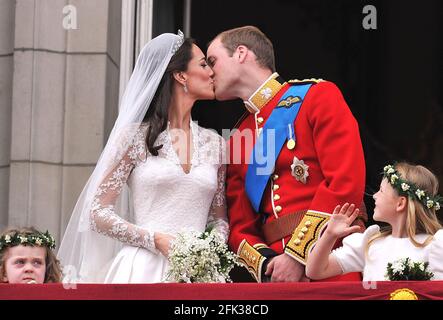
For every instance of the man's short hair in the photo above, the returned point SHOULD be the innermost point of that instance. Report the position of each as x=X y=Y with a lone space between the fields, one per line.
x=254 y=40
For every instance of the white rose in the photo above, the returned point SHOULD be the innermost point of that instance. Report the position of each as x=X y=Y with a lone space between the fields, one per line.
x=429 y=204
x=397 y=266
x=420 y=193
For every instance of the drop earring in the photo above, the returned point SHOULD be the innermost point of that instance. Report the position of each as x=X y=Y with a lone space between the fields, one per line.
x=185 y=88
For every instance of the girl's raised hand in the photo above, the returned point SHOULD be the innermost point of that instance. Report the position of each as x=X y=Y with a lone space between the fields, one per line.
x=339 y=225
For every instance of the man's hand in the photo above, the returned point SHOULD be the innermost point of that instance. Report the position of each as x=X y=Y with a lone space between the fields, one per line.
x=283 y=268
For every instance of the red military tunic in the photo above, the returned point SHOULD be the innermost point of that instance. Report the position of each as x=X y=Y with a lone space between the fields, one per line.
x=327 y=141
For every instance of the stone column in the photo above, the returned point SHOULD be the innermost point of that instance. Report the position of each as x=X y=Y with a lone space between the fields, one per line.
x=65 y=95
x=7 y=14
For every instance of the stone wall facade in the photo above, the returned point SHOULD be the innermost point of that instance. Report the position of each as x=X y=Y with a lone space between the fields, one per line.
x=59 y=91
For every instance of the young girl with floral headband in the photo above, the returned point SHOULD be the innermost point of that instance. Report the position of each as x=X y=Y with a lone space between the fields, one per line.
x=413 y=240
x=26 y=257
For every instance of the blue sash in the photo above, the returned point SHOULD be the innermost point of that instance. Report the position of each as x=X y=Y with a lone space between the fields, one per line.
x=278 y=128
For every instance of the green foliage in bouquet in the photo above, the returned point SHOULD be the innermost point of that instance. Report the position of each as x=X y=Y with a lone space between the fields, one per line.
x=406 y=269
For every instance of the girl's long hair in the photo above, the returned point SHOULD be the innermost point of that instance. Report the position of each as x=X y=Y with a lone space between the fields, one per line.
x=419 y=219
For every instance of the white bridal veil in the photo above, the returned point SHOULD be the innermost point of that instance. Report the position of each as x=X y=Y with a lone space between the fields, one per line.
x=84 y=253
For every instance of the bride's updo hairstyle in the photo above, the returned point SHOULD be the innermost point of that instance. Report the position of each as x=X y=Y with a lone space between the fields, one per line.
x=157 y=115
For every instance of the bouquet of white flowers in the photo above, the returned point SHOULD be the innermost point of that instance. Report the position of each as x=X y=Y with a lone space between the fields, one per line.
x=406 y=269
x=200 y=257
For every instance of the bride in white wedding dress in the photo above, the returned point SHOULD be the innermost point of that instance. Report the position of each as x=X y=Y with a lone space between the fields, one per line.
x=159 y=173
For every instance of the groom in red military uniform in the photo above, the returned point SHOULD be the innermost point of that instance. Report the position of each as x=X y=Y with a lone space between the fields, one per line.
x=295 y=156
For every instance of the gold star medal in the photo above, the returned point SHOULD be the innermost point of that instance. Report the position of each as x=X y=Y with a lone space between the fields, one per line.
x=299 y=170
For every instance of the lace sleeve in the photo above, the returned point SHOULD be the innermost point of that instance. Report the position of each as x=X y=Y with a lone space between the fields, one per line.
x=103 y=218
x=217 y=215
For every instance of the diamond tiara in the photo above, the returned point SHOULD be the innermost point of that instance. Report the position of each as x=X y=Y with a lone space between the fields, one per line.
x=179 y=42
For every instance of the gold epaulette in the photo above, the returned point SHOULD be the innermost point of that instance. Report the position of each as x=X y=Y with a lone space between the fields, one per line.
x=304 y=81
x=306 y=234
x=251 y=258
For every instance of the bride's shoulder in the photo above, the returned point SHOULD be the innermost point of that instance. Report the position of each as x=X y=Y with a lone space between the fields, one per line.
x=131 y=136
x=207 y=135
x=143 y=129
x=213 y=146
x=132 y=133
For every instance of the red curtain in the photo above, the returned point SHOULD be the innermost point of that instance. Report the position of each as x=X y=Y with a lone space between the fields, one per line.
x=423 y=290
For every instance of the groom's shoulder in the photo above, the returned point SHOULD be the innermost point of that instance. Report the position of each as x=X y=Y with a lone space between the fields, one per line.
x=296 y=82
x=318 y=86
x=316 y=83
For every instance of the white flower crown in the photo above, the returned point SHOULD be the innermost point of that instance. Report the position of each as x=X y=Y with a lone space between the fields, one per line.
x=34 y=239
x=410 y=190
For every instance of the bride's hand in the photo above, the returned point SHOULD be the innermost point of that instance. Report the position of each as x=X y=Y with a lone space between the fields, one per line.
x=162 y=242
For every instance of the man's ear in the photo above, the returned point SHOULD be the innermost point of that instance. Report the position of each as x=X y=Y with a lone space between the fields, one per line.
x=241 y=53
x=180 y=76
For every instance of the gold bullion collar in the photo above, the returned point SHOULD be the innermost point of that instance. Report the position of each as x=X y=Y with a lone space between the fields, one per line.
x=264 y=93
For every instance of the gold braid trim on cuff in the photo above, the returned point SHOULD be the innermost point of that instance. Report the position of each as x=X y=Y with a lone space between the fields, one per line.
x=251 y=259
x=259 y=246
x=306 y=234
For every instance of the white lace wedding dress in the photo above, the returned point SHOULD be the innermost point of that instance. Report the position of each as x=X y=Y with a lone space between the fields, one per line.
x=165 y=199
